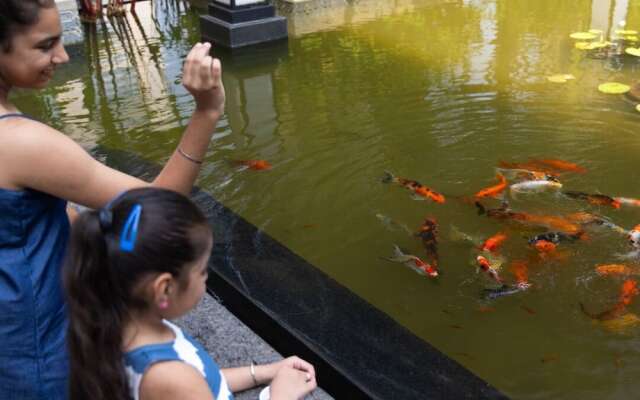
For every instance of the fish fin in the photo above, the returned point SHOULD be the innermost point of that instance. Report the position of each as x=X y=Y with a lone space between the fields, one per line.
x=481 y=209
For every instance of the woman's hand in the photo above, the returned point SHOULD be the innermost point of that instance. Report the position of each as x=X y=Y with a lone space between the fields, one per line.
x=202 y=77
x=291 y=383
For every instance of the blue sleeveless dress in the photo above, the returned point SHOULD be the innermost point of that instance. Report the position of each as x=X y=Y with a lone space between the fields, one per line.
x=183 y=348
x=34 y=230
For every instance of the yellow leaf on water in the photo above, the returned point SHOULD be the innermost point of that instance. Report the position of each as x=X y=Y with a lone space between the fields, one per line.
x=568 y=77
x=595 y=31
x=633 y=51
x=614 y=88
x=583 y=36
x=582 y=45
x=638 y=108
x=632 y=38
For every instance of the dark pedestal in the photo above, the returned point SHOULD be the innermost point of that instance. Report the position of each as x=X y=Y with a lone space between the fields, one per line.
x=242 y=26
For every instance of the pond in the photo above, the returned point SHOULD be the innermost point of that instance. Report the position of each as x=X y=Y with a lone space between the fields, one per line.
x=436 y=91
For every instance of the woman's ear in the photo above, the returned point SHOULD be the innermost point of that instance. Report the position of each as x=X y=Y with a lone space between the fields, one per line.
x=163 y=286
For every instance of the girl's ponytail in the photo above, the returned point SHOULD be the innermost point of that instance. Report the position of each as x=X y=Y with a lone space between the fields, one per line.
x=95 y=336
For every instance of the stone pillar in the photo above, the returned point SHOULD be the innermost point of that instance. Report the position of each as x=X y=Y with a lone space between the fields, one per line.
x=238 y=23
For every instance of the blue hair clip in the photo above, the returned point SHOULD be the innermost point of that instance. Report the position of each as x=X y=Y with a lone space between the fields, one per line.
x=130 y=230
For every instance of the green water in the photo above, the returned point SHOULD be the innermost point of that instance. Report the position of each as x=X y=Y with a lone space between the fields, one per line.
x=437 y=91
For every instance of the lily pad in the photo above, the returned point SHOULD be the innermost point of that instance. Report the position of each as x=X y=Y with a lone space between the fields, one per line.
x=625 y=32
x=595 y=31
x=591 y=45
x=583 y=36
x=633 y=51
x=638 y=108
x=560 y=78
x=614 y=88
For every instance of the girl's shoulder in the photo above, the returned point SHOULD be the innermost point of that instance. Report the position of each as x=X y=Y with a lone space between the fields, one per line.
x=173 y=380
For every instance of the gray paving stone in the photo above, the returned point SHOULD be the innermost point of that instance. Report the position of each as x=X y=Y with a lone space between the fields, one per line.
x=230 y=342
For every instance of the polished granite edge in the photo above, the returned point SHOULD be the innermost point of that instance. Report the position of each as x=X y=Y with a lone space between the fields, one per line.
x=286 y=299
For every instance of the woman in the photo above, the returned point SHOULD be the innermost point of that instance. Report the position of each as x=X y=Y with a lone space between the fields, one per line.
x=41 y=169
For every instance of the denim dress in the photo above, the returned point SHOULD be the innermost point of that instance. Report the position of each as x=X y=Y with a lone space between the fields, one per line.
x=34 y=230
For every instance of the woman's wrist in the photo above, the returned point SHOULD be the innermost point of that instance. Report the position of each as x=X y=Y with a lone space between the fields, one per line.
x=264 y=373
x=206 y=113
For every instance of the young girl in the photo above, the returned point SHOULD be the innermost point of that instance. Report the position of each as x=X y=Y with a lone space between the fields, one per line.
x=40 y=170
x=131 y=266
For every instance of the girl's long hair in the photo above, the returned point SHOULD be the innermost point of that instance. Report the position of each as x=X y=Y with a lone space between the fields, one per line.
x=15 y=14
x=101 y=280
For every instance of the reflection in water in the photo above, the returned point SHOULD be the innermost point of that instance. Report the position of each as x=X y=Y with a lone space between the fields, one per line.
x=437 y=91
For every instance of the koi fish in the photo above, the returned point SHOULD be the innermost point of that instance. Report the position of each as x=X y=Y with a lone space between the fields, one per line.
x=527 y=175
x=505 y=290
x=412 y=262
x=627 y=201
x=486 y=266
x=616 y=269
x=544 y=246
x=594 y=199
x=548 y=221
x=634 y=236
x=257 y=165
x=493 y=243
x=420 y=191
x=535 y=186
x=628 y=291
x=556 y=237
x=561 y=165
x=428 y=233
x=495 y=190
x=585 y=218
x=545 y=165
x=392 y=224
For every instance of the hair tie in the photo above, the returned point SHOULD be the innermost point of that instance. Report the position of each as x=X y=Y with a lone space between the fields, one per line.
x=106 y=219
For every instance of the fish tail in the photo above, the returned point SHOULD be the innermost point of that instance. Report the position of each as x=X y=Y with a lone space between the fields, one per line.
x=389 y=177
x=587 y=312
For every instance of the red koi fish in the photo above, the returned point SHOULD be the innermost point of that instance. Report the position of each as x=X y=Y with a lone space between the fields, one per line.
x=257 y=165
x=485 y=266
x=420 y=191
x=628 y=291
x=550 y=166
x=495 y=190
x=428 y=233
x=412 y=262
x=494 y=242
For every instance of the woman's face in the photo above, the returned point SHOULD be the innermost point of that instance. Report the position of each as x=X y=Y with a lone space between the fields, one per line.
x=35 y=53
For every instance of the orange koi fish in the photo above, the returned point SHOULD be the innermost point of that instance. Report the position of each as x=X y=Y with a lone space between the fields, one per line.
x=616 y=269
x=428 y=233
x=413 y=262
x=561 y=165
x=628 y=291
x=548 y=221
x=420 y=191
x=257 y=165
x=495 y=190
x=485 y=266
x=494 y=242
x=544 y=246
x=594 y=199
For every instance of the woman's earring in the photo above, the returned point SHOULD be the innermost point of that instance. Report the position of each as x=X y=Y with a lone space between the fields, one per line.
x=164 y=304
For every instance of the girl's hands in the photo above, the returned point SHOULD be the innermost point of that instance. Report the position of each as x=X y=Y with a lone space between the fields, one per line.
x=202 y=77
x=292 y=383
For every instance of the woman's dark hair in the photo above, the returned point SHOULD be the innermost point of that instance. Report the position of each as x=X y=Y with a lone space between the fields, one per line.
x=102 y=280
x=17 y=14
